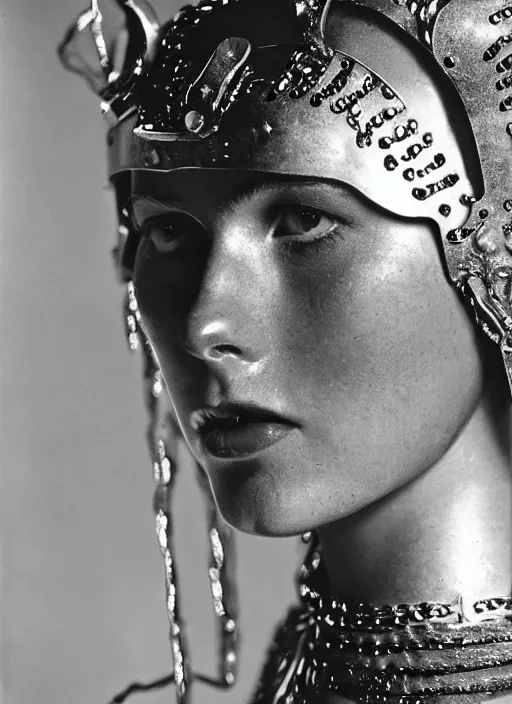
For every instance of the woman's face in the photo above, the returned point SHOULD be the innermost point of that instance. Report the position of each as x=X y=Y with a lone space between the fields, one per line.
x=314 y=351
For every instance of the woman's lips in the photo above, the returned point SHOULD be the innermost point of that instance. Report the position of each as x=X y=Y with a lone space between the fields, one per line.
x=239 y=431
x=245 y=438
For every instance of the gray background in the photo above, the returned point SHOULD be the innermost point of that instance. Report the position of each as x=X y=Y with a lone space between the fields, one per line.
x=82 y=578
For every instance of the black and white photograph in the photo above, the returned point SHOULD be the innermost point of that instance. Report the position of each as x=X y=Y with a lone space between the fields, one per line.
x=257 y=351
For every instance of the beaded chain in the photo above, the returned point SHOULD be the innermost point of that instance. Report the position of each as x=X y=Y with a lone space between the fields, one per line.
x=405 y=654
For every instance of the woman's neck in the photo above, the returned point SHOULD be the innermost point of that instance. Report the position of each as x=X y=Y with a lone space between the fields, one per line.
x=446 y=534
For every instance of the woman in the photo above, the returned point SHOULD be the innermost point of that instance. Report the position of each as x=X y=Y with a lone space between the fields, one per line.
x=300 y=184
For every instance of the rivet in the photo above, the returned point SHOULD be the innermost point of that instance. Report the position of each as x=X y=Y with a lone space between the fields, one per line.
x=459 y=235
x=154 y=157
x=449 y=62
x=483 y=214
x=387 y=92
x=484 y=243
x=445 y=210
x=194 y=121
x=390 y=163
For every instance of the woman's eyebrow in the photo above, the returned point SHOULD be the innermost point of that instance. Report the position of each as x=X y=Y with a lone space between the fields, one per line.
x=239 y=195
x=139 y=200
x=253 y=188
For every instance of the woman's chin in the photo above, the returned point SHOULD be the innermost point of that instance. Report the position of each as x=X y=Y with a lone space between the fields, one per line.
x=260 y=504
x=257 y=506
x=265 y=523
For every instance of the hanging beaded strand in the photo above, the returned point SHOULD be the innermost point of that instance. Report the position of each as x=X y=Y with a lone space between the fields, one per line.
x=132 y=319
x=161 y=436
x=164 y=477
x=222 y=583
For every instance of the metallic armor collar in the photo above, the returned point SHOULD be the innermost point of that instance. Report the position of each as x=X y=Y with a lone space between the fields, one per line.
x=404 y=654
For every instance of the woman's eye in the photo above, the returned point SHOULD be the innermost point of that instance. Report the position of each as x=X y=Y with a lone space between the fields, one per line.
x=173 y=234
x=300 y=220
x=165 y=236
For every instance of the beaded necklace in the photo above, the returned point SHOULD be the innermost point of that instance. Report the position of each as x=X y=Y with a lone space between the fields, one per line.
x=406 y=654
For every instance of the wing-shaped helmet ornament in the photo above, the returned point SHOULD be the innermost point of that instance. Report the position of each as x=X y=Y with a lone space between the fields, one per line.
x=112 y=71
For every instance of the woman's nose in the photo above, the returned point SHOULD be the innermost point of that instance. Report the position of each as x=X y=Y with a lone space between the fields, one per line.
x=224 y=324
x=215 y=341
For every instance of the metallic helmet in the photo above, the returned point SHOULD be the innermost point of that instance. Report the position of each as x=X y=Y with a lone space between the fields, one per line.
x=426 y=133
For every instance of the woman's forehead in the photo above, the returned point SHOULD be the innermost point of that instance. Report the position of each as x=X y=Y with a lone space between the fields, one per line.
x=196 y=183
x=187 y=184
x=183 y=180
